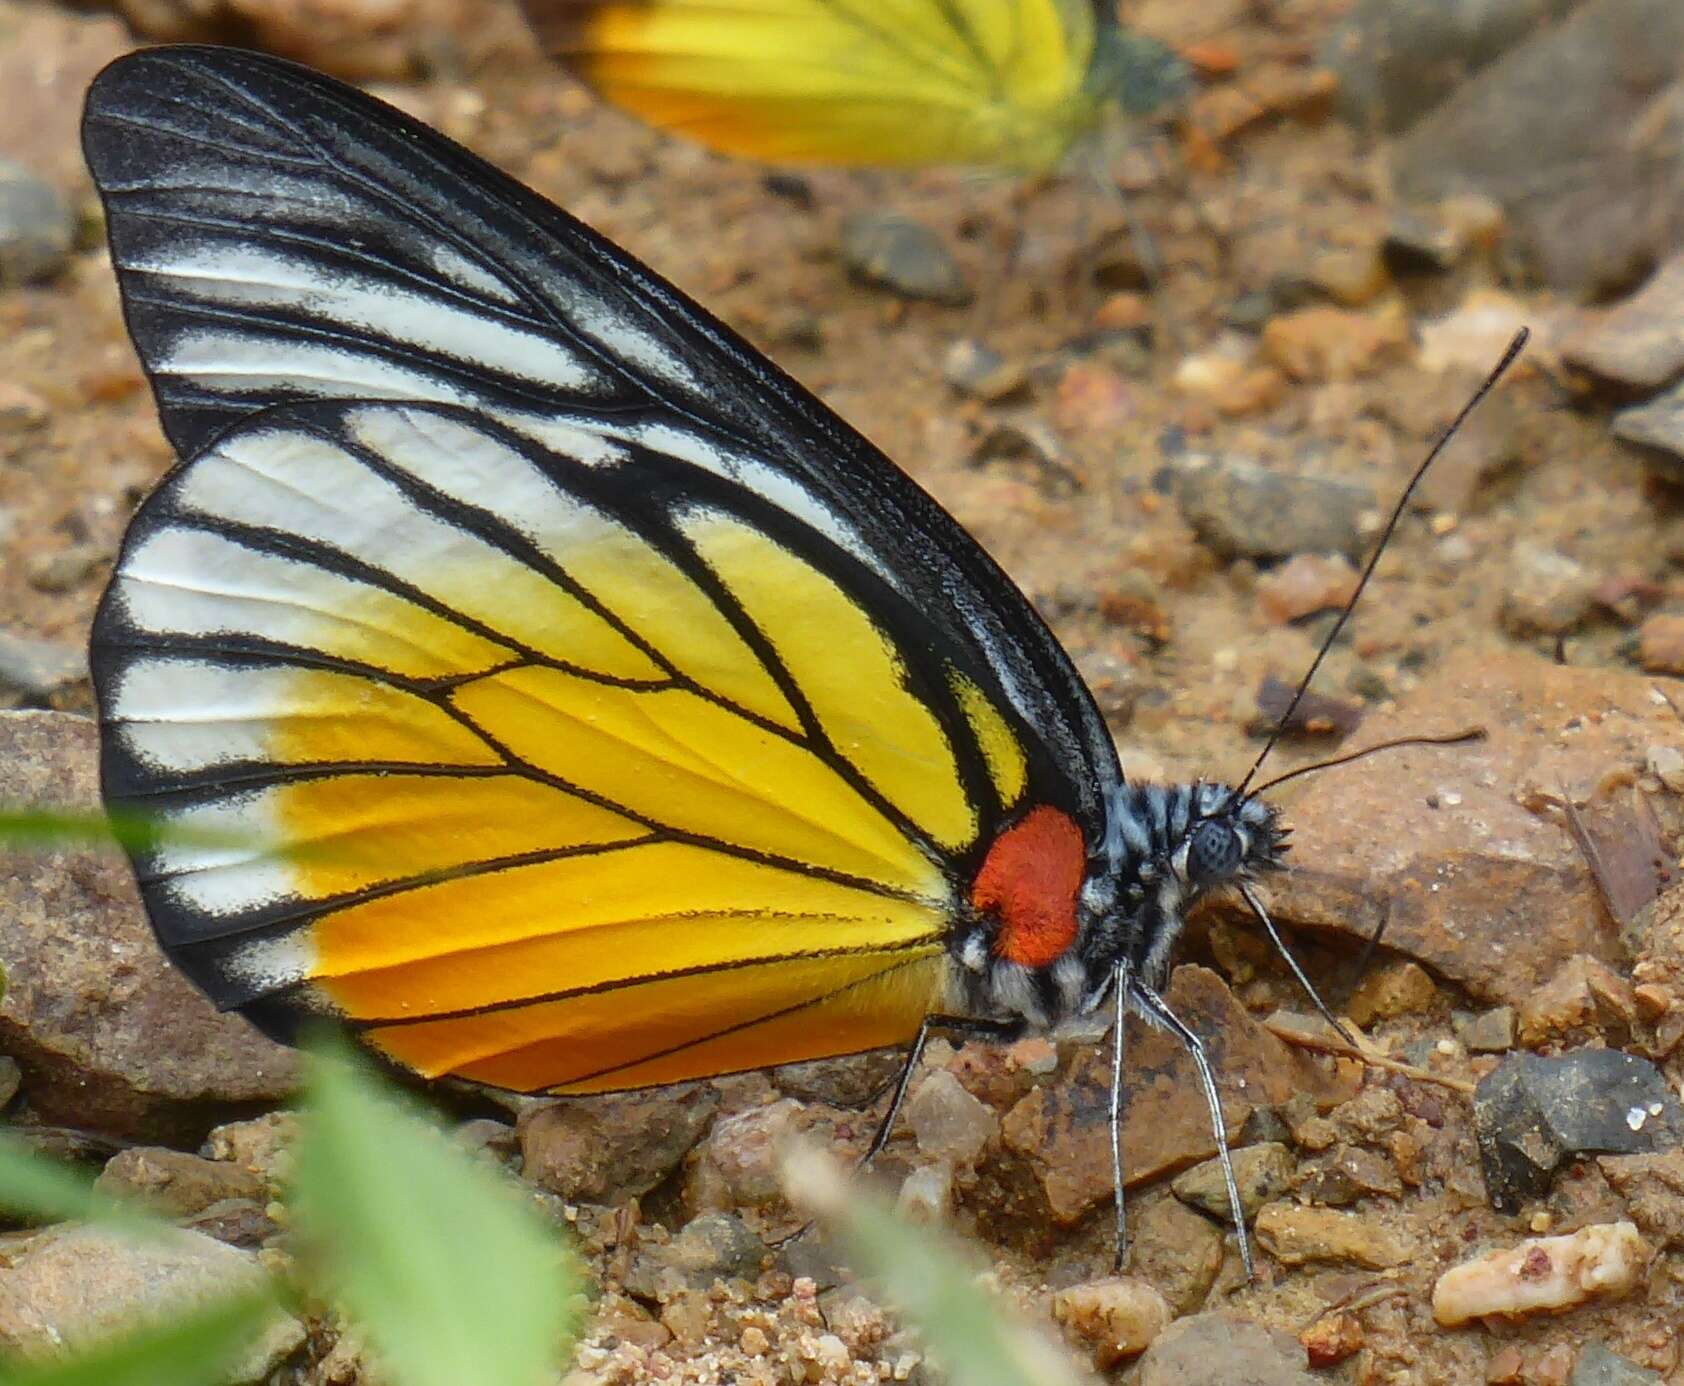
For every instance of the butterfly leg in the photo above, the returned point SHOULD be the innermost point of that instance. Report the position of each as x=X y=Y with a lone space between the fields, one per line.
x=1154 y=1008
x=970 y=1027
x=1303 y=980
x=1119 y=1044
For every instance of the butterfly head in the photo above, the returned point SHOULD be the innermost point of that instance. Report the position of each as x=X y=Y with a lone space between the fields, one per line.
x=1231 y=838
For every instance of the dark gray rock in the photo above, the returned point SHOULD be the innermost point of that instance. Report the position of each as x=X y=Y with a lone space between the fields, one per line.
x=1593 y=187
x=37 y=227
x=1217 y=1349
x=1244 y=511
x=1599 y=1367
x=1397 y=59
x=1531 y=1114
x=850 y=1081
x=901 y=255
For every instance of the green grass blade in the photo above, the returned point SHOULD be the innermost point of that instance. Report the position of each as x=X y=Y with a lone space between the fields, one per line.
x=450 y=1278
x=35 y=1187
x=196 y=1349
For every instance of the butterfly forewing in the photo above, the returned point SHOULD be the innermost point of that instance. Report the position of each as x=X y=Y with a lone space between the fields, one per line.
x=580 y=705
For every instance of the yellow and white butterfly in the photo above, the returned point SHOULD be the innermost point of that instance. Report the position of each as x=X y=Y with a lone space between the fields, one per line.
x=594 y=709
x=1010 y=84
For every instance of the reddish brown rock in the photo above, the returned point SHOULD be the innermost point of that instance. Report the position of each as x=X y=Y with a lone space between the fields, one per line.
x=1458 y=851
x=1660 y=643
x=109 y=1035
x=1326 y=343
x=1584 y=999
x=1305 y=584
x=1062 y=1127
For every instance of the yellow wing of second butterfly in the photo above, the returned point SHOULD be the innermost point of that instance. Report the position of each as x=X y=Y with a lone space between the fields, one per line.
x=867 y=82
x=560 y=804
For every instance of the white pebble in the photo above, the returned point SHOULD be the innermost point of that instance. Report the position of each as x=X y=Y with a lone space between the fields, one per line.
x=1545 y=1273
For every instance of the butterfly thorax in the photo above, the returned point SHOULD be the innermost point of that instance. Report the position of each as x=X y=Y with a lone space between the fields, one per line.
x=1052 y=918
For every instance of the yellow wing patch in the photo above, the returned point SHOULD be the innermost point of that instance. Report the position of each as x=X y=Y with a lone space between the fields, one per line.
x=853 y=675
x=1008 y=767
x=886 y=82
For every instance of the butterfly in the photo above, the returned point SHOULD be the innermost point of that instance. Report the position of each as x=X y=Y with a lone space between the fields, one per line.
x=999 y=83
x=524 y=673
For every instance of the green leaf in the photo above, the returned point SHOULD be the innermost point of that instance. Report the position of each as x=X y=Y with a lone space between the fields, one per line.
x=451 y=1278
x=976 y=1339
x=196 y=1349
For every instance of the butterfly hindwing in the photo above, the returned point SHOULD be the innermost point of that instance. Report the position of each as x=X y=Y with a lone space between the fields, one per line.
x=884 y=82
x=534 y=675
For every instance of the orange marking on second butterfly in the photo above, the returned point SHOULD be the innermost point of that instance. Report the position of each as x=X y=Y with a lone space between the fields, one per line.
x=1028 y=881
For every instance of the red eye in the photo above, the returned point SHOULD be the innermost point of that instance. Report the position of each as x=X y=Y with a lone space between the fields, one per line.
x=1028 y=882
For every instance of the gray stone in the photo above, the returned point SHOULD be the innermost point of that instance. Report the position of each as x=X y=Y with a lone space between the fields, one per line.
x=1217 y=1349
x=1245 y=511
x=1489 y=1032
x=1261 y=1172
x=71 y=1287
x=896 y=253
x=1545 y=591
x=1656 y=429
x=850 y=1081
x=1397 y=59
x=109 y=1035
x=608 y=1149
x=1597 y=1366
x=32 y=670
x=37 y=227
x=714 y=1246
x=1593 y=188
x=1532 y=1114
x=975 y=369
x=1637 y=346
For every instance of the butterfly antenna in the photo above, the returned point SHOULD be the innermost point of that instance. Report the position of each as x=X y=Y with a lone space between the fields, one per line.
x=1447 y=739
x=1516 y=345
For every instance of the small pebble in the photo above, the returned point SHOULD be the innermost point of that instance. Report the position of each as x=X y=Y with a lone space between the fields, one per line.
x=1396 y=989
x=1294 y=1235
x=66 y=569
x=21 y=409
x=1547 y=592
x=904 y=256
x=1660 y=644
x=1602 y=1261
x=1597 y=1366
x=1489 y=1032
x=1261 y=1172
x=1242 y=510
x=947 y=1121
x=37 y=227
x=1116 y=1318
x=977 y=370
x=1322 y=344
x=1332 y=1338
x=1666 y=764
